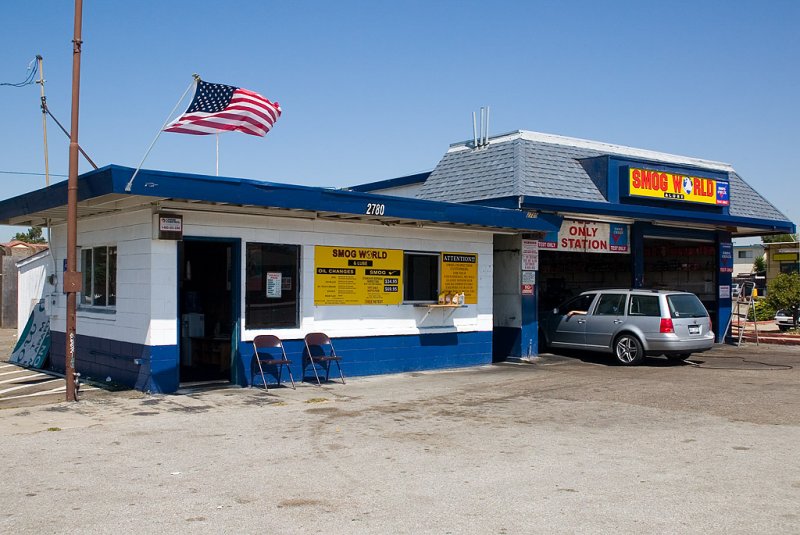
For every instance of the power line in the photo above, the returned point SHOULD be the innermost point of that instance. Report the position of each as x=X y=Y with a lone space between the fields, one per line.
x=33 y=68
x=25 y=173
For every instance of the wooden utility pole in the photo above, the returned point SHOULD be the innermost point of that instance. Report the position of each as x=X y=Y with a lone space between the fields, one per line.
x=72 y=279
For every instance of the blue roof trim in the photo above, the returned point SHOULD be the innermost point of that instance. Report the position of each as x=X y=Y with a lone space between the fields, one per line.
x=684 y=169
x=642 y=212
x=419 y=178
x=638 y=212
x=165 y=184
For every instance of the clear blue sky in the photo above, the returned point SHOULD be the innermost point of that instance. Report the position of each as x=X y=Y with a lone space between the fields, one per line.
x=373 y=90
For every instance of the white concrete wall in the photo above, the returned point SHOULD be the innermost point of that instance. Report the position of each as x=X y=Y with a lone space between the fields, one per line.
x=146 y=310
x=508 y=300
x=132 y=235
x=343 y=321
x=409 y=190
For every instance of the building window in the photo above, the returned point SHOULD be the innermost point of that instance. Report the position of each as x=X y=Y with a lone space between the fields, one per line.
x=272 y=287
x=745 y=254
x=790 y=267
x=99 y=269
x=420 y=277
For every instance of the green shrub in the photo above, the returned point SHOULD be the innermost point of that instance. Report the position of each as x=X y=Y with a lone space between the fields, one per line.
x=783 y=291
x=764 y=311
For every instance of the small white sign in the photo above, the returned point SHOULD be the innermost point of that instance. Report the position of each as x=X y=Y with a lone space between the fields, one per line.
x=528 y=277
x=530 y=255
x=274 y=284
x=170 y=224
x=725 y=291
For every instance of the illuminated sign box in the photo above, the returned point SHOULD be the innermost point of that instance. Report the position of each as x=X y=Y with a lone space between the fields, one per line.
x=653 y=184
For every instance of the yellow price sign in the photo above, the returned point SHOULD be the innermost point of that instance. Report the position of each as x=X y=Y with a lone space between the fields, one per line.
x=357 y=276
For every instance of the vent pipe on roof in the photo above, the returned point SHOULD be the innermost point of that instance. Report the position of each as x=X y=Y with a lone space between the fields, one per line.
x=486 y=134
x=482 y=139
x=483 y=119
x=474 y=132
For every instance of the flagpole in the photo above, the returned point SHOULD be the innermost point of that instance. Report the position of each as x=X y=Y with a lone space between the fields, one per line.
x=195 y=79
x=217 y=153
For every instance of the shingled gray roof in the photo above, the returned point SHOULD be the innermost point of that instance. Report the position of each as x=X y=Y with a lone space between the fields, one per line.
x=541 y=165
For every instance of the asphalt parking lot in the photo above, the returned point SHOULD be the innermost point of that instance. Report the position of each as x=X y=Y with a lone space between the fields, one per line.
x=569 y=444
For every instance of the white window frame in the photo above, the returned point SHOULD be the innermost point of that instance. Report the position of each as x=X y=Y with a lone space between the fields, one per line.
x=83 y=294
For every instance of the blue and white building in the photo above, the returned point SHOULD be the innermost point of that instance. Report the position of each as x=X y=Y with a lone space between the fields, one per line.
x=183 y=271
x=667 y=221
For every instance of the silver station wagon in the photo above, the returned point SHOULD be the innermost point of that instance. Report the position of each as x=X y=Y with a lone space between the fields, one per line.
x=630 y=324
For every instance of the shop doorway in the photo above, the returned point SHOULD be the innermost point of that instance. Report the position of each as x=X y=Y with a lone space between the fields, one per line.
x=566 y=274
x=682 y=264
x=207 y=306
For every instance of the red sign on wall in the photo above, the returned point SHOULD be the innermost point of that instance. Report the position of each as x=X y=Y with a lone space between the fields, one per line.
x=527 y=289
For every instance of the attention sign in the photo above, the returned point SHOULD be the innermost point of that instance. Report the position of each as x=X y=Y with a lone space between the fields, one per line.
x=357 y=276
x=460 y=274
x=677 y=187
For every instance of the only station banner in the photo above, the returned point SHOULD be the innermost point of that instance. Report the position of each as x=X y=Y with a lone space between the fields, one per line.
x=588 y=237
x=357 y=276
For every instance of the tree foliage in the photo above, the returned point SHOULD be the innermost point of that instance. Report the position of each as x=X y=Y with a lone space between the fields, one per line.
x=783 y=292
x=759 y=264
x=779 y=238
x=34 y=235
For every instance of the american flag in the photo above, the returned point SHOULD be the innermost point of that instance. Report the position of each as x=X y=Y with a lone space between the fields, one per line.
x=222 y=108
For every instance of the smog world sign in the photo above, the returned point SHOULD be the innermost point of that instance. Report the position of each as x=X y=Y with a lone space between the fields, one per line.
x=587 y=237
x=357 y=276
x=677 y=187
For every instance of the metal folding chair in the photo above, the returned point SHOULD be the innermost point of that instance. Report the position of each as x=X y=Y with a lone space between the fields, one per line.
x=315 y=354
x=265 y=358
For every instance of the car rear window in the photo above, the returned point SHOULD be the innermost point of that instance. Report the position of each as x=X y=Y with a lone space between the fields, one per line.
x=686 y=306
x=644 y=305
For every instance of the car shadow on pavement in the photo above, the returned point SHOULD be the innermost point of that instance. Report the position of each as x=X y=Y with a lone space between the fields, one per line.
x=606 y=359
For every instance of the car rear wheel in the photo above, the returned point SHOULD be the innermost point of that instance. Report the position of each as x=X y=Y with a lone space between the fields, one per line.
x=628 y=350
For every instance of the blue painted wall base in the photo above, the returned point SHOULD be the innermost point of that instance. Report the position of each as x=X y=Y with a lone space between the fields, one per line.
x=156 y=368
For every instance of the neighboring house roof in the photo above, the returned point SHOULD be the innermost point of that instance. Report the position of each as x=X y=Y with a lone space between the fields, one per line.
x=103 y=191
x=38 y=257
x=21 y=248
x=541 y=166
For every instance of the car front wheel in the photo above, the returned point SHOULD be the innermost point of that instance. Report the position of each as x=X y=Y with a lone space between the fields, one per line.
x=628 y=350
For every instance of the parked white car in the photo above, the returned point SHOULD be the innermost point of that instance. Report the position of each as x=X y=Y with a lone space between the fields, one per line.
x=784 y=319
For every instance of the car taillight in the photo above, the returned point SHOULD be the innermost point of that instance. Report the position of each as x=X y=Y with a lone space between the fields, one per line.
x=710 y=325
x=666 y=326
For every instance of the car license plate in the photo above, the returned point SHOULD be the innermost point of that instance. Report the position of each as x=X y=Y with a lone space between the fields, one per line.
x=694 y=329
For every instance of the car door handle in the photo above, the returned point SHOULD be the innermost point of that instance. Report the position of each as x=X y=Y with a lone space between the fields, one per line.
x=617 y=322
x=581 y=321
